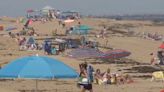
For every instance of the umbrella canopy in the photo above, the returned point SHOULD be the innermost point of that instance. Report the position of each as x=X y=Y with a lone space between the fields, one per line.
x=161 y=46
x=85 y=53
x=37 y=67
x=115 y=54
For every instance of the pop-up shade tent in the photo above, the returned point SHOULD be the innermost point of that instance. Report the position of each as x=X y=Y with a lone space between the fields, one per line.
x=81 y=29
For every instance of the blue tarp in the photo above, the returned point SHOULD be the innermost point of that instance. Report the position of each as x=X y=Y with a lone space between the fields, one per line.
x=37 y=67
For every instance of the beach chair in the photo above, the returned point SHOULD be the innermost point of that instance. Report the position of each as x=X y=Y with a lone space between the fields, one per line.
x=158 y=75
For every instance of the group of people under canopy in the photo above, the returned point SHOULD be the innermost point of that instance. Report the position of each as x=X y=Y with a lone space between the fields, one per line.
x=60 y=45
x=158 y=57
x=50 y=47
x=28 y=44
x=88 y=76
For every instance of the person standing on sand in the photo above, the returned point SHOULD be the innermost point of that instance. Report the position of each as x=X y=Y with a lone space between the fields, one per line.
x=103 y=32
x=87 y=77
x=154 y=59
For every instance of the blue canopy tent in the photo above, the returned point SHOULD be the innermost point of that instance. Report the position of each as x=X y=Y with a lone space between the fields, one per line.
x=37 y=67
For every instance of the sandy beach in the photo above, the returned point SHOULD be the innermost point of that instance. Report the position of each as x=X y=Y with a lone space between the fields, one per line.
x=133 y=65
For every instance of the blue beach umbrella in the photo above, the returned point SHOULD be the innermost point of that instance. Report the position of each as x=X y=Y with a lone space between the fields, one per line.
x=37 y=67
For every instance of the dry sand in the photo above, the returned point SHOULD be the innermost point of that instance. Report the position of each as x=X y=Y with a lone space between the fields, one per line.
x=140 y=48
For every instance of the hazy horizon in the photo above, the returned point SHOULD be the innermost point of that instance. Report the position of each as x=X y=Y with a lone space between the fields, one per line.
x=85 y=7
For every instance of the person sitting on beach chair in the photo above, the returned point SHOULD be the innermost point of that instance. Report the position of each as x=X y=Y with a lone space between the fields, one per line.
x=22 y=43
x=47 y=48
x=12 y=35
x=107 y=77
x=98 y=77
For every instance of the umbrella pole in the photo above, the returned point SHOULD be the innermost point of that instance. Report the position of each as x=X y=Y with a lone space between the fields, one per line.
x=36 y=89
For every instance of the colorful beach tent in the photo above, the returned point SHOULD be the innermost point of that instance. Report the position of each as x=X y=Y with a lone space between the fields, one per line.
x=28 y=22
x=115 y=54
x=37 y=67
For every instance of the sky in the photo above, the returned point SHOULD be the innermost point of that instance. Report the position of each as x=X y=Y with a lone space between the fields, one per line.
x=87 y=7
